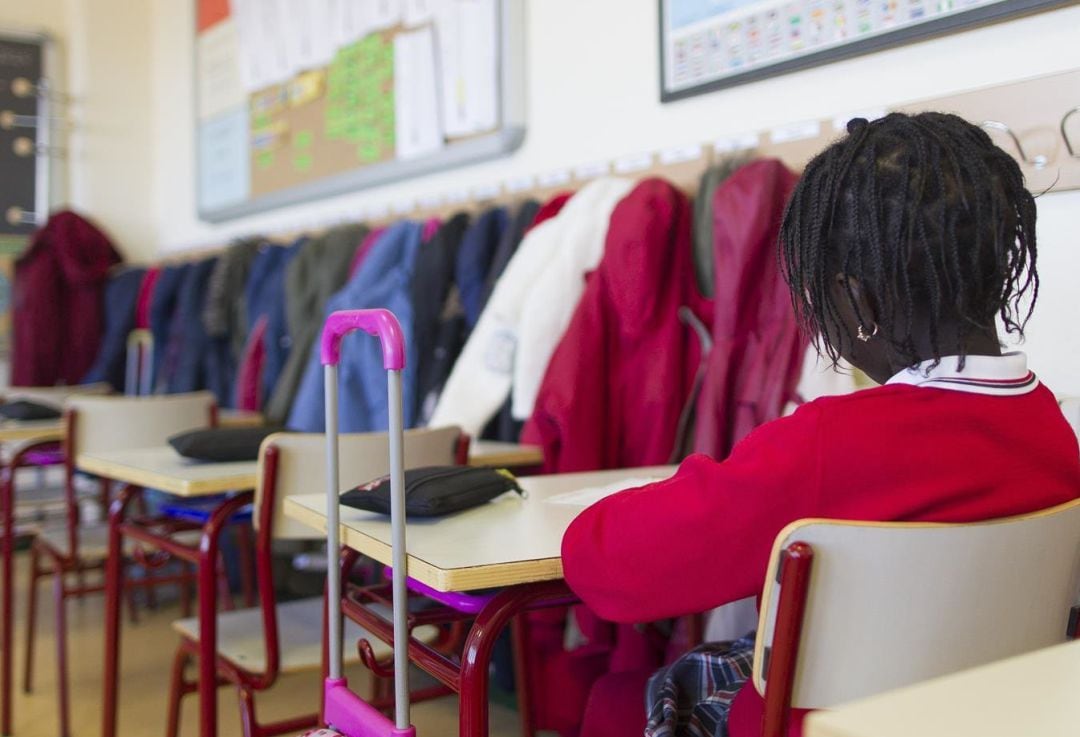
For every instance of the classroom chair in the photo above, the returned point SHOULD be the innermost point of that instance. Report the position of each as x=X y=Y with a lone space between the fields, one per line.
x=98 y=424
x=852 y=609
x=256 y=645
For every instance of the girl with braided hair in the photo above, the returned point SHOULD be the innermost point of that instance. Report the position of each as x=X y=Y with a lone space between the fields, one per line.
x=905 y=244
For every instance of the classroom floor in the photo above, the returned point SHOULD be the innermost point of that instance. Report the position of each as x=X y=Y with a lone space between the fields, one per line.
x=146 y=655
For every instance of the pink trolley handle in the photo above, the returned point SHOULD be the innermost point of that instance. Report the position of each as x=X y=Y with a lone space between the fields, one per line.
x=343 y=710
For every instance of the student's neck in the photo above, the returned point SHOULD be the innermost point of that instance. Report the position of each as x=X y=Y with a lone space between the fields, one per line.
x=976 y=345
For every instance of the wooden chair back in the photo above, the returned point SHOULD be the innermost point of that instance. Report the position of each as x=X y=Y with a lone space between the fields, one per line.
x=102 y=424
x=884 y=605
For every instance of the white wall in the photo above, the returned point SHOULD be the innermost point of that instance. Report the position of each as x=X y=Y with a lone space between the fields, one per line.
x=102 y=62
x=592 y=93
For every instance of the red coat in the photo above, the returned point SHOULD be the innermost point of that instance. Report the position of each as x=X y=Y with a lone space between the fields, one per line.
x=617 y=382
x=758 y=350
x=57 y=317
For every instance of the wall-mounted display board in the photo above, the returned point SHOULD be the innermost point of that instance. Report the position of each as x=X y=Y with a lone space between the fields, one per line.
x=708 y=45
x=301 y=99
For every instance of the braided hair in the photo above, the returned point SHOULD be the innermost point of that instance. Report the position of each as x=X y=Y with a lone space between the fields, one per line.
x=929 y=216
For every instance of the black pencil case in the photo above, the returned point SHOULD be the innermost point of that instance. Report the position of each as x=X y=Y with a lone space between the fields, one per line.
x=434 y=491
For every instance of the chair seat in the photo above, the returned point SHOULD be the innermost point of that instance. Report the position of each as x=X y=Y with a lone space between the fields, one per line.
x=300 y=625
x=94 y=541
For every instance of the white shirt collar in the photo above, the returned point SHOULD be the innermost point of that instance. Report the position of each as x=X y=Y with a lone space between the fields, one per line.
x=1004 y=375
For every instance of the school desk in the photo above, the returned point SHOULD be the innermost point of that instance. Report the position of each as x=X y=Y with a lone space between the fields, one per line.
x=512 y=544
x=162 y=468
x=1033 y=694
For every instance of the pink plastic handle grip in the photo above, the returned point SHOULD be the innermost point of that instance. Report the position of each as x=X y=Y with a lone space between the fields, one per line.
x=381 y=323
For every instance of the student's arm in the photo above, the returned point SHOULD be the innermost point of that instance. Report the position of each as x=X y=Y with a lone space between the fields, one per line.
x=701 y=538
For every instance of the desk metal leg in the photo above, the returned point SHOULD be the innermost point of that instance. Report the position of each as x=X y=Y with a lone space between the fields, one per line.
x=114 y=589
x=473 y=715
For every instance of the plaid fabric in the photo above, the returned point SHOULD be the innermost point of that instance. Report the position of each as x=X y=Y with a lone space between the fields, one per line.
x=692 y=696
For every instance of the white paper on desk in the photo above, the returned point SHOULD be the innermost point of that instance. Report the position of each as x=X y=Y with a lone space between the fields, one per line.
x=467 y=43
x=221 y=87
x=588 y=497
x=416 y=101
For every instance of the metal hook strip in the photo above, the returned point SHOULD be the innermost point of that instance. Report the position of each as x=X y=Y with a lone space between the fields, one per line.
x=1038 y=162
x=1065 y=133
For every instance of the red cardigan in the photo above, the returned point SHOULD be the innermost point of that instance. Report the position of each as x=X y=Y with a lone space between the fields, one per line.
x=897 y=452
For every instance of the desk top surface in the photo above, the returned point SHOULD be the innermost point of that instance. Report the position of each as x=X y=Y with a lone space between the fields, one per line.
x=1032 y=694
x=506 y=542
x=13 y=430
x=165 y=469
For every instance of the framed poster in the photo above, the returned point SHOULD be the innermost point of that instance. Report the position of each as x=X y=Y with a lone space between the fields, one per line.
x=707 y=45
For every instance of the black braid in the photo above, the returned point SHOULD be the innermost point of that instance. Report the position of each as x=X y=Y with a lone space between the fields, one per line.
x=930 y=217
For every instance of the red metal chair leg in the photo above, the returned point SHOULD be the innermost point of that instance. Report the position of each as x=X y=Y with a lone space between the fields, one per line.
x=8 y=605
x=248 y=725
x=133 y=607
x=247 y=563
x=59 y=602
x=31 y=617
x=522 y=668
x=185 y=594
x=177 y=690
x=473 y=714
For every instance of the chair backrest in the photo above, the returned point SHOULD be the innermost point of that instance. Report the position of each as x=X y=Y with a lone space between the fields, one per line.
x=890 y=604
x=301 y=466
x=104 y=424
x=55 y=395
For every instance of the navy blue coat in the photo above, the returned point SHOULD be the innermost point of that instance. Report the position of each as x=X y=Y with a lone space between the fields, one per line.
x=121 y=294
x=474 y=260
x=162 y=307
x=265 y=295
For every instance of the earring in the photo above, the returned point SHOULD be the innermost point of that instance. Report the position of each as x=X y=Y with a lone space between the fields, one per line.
x=861 y=335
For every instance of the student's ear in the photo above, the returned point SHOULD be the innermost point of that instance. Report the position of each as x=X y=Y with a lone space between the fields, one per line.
x=865 y=311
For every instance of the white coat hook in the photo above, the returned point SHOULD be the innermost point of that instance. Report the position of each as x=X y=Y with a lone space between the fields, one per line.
x=1065 y=133
x=9 y=119
x=1039 y=162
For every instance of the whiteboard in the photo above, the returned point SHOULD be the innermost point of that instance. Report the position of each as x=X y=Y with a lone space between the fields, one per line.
x=297 y=100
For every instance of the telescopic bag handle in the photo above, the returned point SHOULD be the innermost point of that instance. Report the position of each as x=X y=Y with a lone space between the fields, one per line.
x=343 y=709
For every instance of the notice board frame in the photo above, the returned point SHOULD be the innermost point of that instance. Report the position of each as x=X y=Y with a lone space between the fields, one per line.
x=504 y=140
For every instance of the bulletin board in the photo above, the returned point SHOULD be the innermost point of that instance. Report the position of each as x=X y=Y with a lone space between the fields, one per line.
x=707 y=45
x=303 y=99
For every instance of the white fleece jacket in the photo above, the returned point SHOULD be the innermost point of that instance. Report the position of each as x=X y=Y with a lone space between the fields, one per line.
x=483 y=374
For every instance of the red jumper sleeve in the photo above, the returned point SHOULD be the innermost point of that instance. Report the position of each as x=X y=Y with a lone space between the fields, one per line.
x=701 y=538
